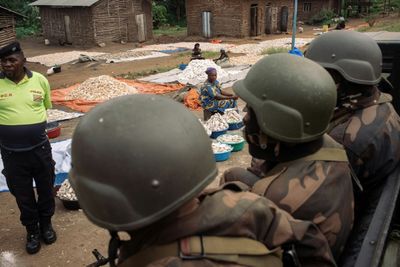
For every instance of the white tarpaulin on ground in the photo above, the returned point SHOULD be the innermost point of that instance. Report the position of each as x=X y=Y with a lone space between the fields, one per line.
x=62 y=156
x=61 y=58
x=60 y=115
x=234 y=74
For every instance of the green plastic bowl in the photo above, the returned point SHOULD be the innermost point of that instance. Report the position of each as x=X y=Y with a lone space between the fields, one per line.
x=236 y=146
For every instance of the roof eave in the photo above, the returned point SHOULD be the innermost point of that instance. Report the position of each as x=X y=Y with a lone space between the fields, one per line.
x=12 y=11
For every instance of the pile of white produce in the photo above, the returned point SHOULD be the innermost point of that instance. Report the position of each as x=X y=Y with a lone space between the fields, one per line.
x=125 y=54
x=66 y=192
x=230 y=138
x=217 y=123
x=232 y=116
x=195 y=72
x=59 y=115
x=61 y=58
x=208 y=131
x=130 y=55
x=218 y=147
x=258 y=48
x=100 y=88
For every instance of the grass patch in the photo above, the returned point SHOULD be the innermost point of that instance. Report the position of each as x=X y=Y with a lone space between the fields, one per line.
x=275 y=50
x=23 y=32
x=390 y=26
x=211 y=54
x=170 y=31
x=184 y=54
x=206 y=54
x=144 y=73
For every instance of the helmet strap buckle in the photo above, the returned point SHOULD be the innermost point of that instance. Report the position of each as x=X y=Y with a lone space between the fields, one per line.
x=185 y=253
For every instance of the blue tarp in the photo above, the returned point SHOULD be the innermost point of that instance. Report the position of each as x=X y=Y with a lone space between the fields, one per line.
x=172 y=51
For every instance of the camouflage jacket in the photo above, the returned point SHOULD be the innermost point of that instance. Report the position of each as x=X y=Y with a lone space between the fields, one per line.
x=320 y=191
x=369 y=129
x=227 y=213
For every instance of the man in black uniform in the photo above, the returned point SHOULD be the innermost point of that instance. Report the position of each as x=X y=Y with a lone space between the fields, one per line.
x=25 y=148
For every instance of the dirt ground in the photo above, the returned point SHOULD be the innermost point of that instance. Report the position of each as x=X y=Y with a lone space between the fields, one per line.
x=77 y=237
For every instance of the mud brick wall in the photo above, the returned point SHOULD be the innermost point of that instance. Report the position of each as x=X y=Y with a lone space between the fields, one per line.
x=7 y=27
x=226 y=17
x=316 y=7
x=105 y=21
x=114 y=20
x=53 y=25
x=232 y=17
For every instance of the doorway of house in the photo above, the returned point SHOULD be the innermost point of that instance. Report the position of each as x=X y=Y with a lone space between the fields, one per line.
x=206 y=24
x=284 y=19
x=141 y=24
x=253 y=20
x=67 y=25
x=268 y=19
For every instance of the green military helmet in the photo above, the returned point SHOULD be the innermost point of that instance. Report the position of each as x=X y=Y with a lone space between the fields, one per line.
x=293 y=98
x=354 y=55
x=136 y=159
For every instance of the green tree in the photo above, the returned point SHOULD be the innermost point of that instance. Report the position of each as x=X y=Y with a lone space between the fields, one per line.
x=159 y=15
x=175 y=10
x=31 y=23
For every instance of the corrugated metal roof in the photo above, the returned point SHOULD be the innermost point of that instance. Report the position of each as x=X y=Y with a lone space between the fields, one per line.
x=66 y=3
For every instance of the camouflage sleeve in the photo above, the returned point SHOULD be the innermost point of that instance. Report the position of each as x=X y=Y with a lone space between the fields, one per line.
x=372 y=141
x=239 y=214
x=311 y=245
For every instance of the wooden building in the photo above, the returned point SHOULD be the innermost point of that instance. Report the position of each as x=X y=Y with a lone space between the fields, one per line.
x=238 y=18
x=308 y=8
x=7 y=25
x=89 y=22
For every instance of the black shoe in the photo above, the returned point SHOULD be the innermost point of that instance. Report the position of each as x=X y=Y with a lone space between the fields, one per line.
x=33 y=242
x=48 y=234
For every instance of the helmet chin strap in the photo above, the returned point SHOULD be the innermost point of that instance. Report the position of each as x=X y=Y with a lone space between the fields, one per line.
x=261 y=140
x=113 y=247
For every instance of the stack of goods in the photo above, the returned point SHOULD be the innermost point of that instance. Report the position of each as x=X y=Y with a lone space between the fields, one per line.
x=234 y=119
x=195 y=72
x=66 y=192
x=208 y=131
x=67 y=195
x=59 y=115
x=123 y=55
x=234 y=140
x=217 y=125
x=230 y=138
x=232 y=116
x=218 y=147
x=221 y=151
x=100 y=89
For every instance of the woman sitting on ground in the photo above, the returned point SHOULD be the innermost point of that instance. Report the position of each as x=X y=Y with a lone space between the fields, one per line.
x=196 y=52
x=223 y=58
x=212 y=98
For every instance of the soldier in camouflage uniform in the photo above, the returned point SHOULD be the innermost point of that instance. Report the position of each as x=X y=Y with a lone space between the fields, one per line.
x=142 y=174
x=364 y=121
x=303 y=170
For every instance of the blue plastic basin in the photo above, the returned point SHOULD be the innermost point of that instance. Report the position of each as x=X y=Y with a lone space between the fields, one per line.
x=222 y=156
x=182 y=66
x=235 y=126
x=214 y=135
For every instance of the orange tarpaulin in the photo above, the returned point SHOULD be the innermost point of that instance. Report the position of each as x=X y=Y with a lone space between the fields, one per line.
x=191 y=100
x=59 y=96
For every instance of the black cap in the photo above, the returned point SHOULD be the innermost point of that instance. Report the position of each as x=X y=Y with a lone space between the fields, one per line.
x=10 y=49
